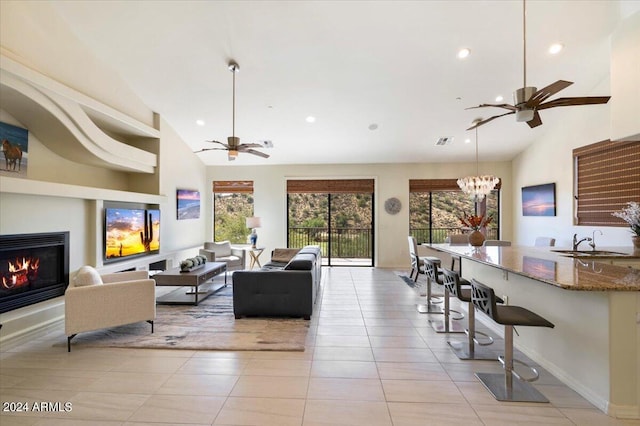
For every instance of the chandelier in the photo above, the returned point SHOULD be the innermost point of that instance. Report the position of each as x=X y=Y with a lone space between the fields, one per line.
x=477 y=187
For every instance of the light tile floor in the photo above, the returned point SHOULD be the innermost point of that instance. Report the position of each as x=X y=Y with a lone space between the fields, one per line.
x=371 y=359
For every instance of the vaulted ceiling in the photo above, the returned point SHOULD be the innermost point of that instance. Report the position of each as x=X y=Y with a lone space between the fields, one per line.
x=381 y=78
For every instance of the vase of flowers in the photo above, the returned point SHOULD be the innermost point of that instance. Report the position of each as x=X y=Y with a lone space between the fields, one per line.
x=631 y=215
x=475 y=224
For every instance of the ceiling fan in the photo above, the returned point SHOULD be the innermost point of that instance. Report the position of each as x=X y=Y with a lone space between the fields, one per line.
x=527 y=101
x=233 y=145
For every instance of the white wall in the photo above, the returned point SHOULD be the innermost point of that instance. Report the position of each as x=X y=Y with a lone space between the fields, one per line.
x=36 y=33
x=391 y=180
x=35 y=36
x=550 y=160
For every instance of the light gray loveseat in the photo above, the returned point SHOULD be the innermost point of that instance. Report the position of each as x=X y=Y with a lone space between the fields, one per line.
x=223 y=252
x=280 y=289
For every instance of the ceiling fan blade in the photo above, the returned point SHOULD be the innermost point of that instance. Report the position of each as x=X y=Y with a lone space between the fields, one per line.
x=544 y=93
x=244 y=146
x=480 y=123
x=258 y=153
x=535 y=121
x=505 y=106
x=585 y=100
x=223 y=144
x=210 y=149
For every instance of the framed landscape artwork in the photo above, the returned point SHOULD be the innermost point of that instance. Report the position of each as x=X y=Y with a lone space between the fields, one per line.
x=15 y=145
x=188 y=206
x=539 y=200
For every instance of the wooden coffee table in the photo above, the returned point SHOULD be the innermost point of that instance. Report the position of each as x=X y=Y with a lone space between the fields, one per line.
x=193 y=279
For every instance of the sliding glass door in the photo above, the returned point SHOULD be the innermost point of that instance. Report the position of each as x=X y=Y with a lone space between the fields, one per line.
x=337 y=215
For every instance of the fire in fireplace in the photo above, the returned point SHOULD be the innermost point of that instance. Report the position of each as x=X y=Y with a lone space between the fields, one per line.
x=33 y=268
x=21 y=273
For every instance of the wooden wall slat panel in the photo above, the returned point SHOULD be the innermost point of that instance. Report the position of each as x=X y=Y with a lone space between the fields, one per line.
x=608 y=177
x=233 y=186
x=331 y=186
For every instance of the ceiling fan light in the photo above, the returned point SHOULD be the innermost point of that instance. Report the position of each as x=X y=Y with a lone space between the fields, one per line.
x=525 y=115
x=523 y=94
x=233 y=154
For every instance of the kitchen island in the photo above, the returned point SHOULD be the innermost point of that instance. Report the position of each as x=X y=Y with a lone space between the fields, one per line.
x=595 y=306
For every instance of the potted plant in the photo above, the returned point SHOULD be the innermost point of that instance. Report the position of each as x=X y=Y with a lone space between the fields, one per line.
x=631 y=215
x=475 y=224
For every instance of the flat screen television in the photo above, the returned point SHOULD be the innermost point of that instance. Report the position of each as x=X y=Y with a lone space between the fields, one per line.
x=130 y=232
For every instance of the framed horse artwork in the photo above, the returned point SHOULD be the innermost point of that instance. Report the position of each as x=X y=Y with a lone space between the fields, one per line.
x=15 y=147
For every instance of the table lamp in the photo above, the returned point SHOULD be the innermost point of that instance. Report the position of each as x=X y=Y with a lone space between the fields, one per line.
x=253 y=223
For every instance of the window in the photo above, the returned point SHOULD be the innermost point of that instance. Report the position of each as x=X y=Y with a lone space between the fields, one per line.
x=232 y=204
x=606 y=177
x=435 y=206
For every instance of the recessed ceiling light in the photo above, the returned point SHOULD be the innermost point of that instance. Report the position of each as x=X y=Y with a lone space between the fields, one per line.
x=200 y=122
x=310 y=119
x=555 y=48
x=373 y=126
x=499 y=98
x=463 y=53
x=467 y=140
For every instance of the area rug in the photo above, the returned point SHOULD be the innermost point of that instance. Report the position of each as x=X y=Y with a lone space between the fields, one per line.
x=408 y=281
x=209 y=326
x=419 y=286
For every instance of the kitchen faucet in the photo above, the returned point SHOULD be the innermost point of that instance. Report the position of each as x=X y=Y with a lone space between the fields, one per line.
x=592 y=243
x=576 y=243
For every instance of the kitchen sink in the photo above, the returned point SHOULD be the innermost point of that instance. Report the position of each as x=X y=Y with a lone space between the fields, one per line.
x=587 y=253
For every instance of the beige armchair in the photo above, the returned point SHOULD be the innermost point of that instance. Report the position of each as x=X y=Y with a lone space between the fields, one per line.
x=94 y=301
x=224 y=252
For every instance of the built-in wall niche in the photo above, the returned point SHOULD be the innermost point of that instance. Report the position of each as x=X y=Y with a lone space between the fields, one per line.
x=130 y=230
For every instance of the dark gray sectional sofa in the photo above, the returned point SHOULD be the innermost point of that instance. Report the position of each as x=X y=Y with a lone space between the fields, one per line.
x=280 y=289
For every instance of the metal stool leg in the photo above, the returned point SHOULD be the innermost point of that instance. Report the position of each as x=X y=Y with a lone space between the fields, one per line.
x=468 y=350
x=506 y=387
x=448 y=324
x=430 y=307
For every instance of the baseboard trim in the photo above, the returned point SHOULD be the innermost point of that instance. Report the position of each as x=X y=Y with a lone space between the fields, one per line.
x=28 y=334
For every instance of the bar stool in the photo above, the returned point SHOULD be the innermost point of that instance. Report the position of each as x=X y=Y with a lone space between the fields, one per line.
x=456 y=259
x=467 y=350
x=431 y=307
x=446 y=325
x=416 y=261
x=509 y=386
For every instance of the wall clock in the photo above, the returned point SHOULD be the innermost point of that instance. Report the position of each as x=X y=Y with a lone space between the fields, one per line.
x=392 y=205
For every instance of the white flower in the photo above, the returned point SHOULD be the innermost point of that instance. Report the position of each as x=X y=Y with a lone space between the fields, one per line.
x=631 y=215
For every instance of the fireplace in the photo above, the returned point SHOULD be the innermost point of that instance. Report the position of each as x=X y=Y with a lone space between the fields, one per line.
x=33 y=268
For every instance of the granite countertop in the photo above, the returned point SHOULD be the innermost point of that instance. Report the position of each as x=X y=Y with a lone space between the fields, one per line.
x=543 y=264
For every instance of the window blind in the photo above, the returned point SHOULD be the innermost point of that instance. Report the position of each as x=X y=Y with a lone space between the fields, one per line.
x=330 y=186
x=233 y=186
x=607 y=176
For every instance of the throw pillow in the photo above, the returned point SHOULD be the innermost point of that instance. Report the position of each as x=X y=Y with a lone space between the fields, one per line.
x=87 y=275
x=283 y=255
